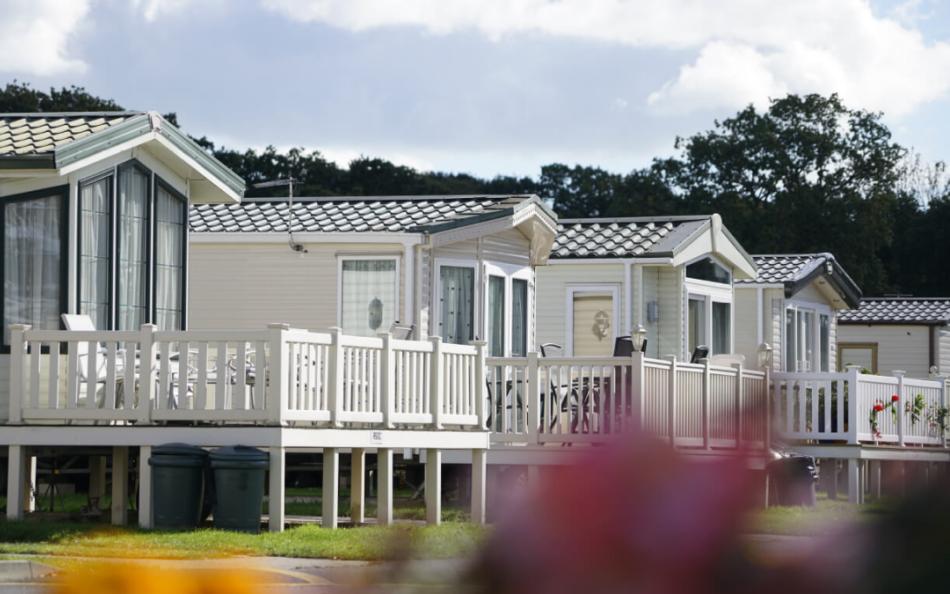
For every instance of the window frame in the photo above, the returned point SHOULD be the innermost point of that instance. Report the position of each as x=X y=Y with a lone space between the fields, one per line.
x=154 y=181
x=509 y=272
x=365 y=257
x=711 y=292
x=817 y=310
x=595 y=288
x=870 y=346
x=477 y=295
x=62 y=191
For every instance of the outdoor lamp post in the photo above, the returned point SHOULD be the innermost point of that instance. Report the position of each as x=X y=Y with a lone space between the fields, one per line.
x=765 y=356
x=639 y=337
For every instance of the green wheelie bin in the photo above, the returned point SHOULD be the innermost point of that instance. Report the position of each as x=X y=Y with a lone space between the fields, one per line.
x=239 y=473
x=178 y=477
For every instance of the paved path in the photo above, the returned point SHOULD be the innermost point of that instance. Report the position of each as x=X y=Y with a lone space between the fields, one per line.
x=282 y=575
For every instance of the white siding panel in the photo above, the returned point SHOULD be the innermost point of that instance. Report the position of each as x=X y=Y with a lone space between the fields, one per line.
x=672 y=301
x=247 y=286
x=943 y=349
x=4 y=387
x=745 y=308
x=898 y=347
x=774 y=330
x=551 y=295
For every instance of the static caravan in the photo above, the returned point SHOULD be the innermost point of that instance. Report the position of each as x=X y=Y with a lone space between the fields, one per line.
x=671 y=275
x=792 y=305
x=459 y=267
x=95 y=220
x=888 y=334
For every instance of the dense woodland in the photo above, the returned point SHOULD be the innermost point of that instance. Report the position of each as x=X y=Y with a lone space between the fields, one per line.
x=807 y=175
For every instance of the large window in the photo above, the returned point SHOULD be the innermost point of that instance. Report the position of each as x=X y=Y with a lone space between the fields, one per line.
x=368 y=295
x=132 y=244
x=807 y=338
x=34 y=240
x=708 y=307
x=170 y=237
x=519 y=317
x=457 y=304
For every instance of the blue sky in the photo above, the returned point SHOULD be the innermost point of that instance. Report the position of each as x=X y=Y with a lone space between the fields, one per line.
x=485 y=86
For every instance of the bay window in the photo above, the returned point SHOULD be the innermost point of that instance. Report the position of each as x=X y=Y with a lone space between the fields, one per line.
x=496 y=316
x=34 y=258
x=807 y=338
x=506 y=316
x=708 y=307
x=519 y=317
x=369 y=289
x=132 y=245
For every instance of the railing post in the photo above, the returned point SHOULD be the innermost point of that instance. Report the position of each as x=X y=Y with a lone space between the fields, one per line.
x=435 y=382
x=17 y=351
x=278 y=374
x=481 y=384
x=146 y=373
x=335 y=376
x=943 y=406
x=768 y=407
x=854 y=388
x=387 y=374
x=706 y=412
x=637 y=398
x=739 y=404
x=533 y=399
x=671 y=406
x=899 y=374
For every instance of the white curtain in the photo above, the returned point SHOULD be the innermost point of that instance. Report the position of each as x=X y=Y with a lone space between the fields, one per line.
x=496 y=316
x=169 y=259
x=96 y=216
x=32 y=263
x=457 y=304
x=133 y=249
x=369 y=296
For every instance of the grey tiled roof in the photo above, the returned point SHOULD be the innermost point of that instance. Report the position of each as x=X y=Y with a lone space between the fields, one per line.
x=352 y=214
x=623 y=237
x=41 y=133
x=785 y=268
x=899 y=310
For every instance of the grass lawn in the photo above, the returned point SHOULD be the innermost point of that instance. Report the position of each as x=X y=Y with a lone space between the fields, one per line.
x=824 y=517
x=43 y=537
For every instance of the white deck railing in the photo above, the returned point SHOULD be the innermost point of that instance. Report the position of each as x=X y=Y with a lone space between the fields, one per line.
x=590 y=399
x=840 y=407
x=272 y=376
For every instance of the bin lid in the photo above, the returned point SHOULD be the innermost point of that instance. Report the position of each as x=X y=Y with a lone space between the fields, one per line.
x=239 y=453
x=179 y=449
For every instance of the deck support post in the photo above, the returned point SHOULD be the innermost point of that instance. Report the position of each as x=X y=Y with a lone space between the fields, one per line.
x=275 y=490
x=358 y=486
x=479 y=474
x=120 y=485
x=97 y=477
x=874 y=469
x=145 y=488
x=854 y=481
x=17 y=481
x=331 y=487
x=433 y=486
x=30 y=488
x=384 y=489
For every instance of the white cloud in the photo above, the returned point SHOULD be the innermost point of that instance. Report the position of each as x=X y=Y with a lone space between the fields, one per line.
x=152 y=10
x=746 y=50
x=35 y=35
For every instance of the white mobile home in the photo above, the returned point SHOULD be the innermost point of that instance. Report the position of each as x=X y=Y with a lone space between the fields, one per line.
x=792 y=305
x=459 y=267
x=901 y=333
x=671 y=275
x=95 y=220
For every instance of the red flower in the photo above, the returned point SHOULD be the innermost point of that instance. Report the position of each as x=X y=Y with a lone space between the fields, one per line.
x=895 y=398
x=878 y=407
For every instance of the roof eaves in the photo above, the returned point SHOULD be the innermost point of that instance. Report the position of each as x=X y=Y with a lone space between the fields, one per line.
x=839 y=279
x=210 y=163
x=44 y=161
x=462 y=221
